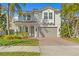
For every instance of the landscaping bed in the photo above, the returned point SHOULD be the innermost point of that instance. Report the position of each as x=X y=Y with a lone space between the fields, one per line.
x=72 y=39
x=19 y=54
x=18 y=39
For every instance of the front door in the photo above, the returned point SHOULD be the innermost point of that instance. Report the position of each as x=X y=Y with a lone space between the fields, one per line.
x=32 y=31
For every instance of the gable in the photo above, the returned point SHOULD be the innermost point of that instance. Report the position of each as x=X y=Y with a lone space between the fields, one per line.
x=48 y=10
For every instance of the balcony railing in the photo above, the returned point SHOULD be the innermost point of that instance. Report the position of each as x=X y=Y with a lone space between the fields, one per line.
x=25 y=19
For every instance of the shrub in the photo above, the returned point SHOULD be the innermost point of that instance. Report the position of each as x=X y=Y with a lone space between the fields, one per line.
x=15 y=36
x=9 y=36
x=23 y=35
x=64 y=30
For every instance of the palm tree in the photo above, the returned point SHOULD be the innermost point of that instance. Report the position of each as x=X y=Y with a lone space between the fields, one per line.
x=3 y=18
x=71 y=13
x=65 y=15
x=76 y=14
x=12 y=7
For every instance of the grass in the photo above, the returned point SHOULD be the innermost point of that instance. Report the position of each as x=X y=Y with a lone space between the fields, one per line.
x=73 y=39
x=19 y=42
x=18 y=39
x=19 y=54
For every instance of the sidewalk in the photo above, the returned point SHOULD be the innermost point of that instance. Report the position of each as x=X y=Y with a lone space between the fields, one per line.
x=19 y=49
x=59 y=50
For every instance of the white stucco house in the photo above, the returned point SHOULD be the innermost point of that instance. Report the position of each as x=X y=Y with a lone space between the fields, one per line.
x=44 y=22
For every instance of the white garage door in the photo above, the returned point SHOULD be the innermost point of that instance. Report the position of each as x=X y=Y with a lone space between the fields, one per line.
x=49 y=32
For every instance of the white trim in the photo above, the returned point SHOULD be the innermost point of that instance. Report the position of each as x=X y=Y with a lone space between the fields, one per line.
x=29 y=31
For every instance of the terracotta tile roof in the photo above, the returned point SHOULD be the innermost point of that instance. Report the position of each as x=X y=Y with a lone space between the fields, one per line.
x=40 y=10
x=45 y=8
x=49 y=7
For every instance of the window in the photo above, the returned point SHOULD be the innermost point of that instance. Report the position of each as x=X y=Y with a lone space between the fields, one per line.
x=19 y=17
x=28 y=17
x=50 y=15
x=24 y=17
x=45 y=15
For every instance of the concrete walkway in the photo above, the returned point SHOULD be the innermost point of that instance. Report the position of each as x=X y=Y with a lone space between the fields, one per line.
x=58 y=47
x=19 y=49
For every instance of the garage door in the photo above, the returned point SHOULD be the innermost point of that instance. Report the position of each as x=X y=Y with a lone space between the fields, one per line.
x=48 y=32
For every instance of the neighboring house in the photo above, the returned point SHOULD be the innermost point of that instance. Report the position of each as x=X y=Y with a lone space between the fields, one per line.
x=44 y=22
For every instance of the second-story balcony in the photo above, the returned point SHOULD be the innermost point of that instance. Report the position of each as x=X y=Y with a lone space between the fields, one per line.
x=26 y=19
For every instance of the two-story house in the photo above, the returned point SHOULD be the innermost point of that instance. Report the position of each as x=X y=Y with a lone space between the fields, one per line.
x=44 y=22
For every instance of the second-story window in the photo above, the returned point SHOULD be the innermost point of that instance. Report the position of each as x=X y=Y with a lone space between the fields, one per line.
x=28 y=17
x=20 y=18
x=50 y=15
x=45 y=15
x=24 y=16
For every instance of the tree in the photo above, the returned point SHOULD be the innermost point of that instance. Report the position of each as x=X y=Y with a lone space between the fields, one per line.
x=64 y=30
x=12 y=7
x=74 y=12
x=2 y=19
x=65 y=15
x=3 y=22
x=70 y=13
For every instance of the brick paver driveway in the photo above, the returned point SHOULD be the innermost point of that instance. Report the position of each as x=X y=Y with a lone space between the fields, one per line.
x=55 y=41
x=57 y=46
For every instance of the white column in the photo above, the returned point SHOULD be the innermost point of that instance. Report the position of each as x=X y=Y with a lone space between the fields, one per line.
x=24 y=29
x=16 y=29
x=29 y=31
x=35 y=31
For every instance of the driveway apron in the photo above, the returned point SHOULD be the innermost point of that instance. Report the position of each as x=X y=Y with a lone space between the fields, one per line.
x=58 y=47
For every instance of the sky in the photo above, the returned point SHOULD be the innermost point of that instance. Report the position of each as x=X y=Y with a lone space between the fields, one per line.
x=31 y=6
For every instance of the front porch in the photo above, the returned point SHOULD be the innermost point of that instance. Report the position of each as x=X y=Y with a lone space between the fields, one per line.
x=27 y=26
x=30 y=29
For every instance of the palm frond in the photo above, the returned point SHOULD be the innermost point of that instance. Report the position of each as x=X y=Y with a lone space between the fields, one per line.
x=12 y=7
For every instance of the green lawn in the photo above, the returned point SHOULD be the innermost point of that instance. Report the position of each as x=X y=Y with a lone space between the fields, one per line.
x=73 y=39
x=19 y=42
x=19 y=54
